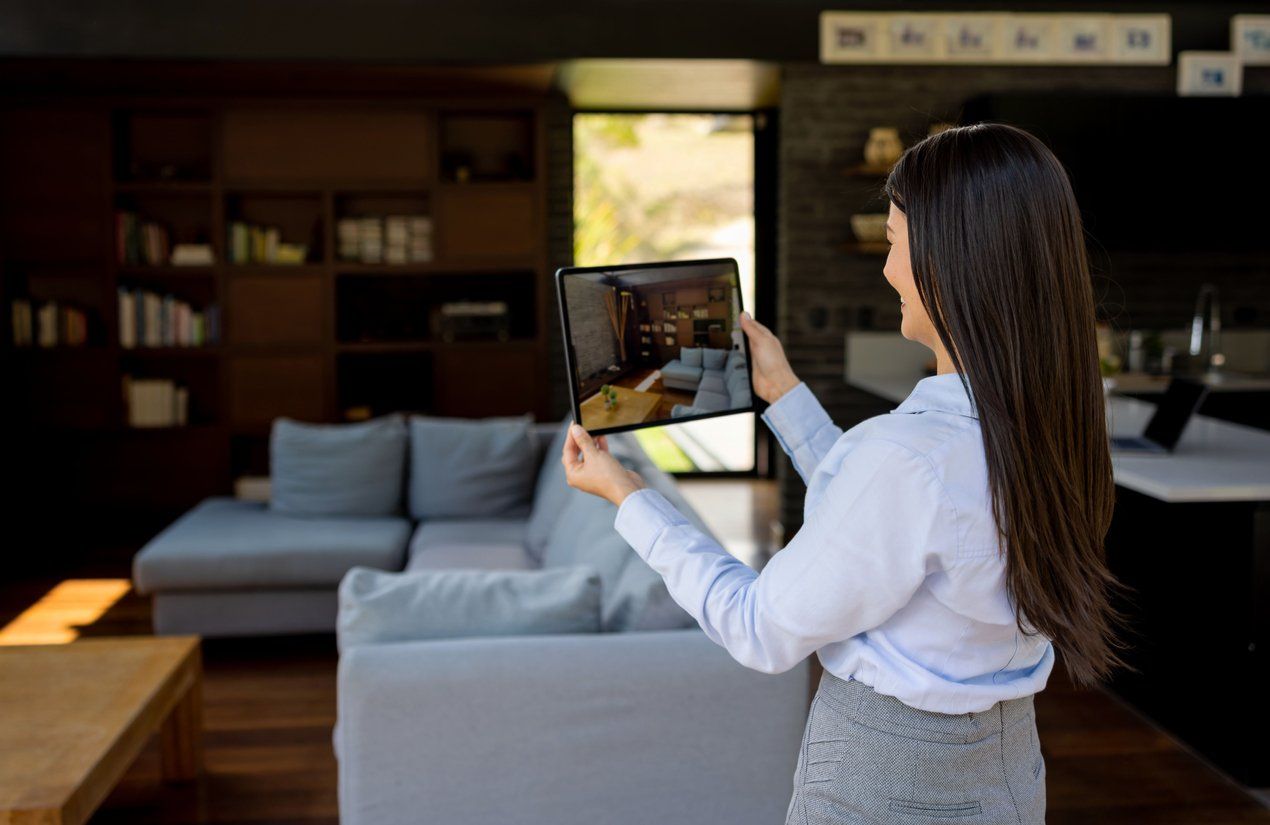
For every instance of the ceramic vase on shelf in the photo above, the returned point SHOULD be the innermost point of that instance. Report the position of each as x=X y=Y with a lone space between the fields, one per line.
x=883 y=148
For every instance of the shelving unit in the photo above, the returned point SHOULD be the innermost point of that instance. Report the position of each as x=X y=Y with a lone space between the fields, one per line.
x=294 y=337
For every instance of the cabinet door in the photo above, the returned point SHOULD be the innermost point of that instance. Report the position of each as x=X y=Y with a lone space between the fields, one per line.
x=487 y=221
x=340 y=145
x=55 y=185
x=263 y=387
x=481 y=383
x=691 y=296
x=275 y=309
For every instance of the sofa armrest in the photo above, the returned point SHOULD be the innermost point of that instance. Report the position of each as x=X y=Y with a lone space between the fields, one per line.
x=617 y=728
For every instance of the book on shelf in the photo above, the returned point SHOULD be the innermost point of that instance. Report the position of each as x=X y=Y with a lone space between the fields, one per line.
x=22 y=322
x=155 y=402
x=392 y=239
x=253 y=244
x=140 y=242
x=147 y=319
x=50 y=324
x=147 y=243
x=192 y=254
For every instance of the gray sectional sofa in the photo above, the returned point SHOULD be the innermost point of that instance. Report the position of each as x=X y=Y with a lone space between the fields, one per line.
x=640 y=719
x=646 y=721
x=718 y=377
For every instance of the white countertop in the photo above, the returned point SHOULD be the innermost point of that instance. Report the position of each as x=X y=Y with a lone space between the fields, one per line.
x=1222 y=382
x=1214 y=460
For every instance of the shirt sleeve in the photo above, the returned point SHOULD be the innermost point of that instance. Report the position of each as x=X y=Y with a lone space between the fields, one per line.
x=803 y=428
x=860 y=556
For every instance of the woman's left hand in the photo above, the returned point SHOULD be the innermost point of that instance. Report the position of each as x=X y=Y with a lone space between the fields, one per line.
x=591 y=468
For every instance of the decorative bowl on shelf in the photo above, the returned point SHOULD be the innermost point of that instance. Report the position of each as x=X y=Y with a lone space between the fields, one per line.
x=869 y=227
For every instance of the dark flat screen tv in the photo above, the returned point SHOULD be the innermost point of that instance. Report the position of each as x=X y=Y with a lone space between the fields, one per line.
x=1155 y=174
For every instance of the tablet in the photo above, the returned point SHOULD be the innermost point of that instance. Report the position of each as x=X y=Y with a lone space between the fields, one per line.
x=656 y=343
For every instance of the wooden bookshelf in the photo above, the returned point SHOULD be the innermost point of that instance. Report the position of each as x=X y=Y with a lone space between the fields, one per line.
x=314 y=340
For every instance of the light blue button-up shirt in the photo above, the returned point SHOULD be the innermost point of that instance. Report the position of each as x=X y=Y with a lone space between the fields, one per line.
x=896 y=578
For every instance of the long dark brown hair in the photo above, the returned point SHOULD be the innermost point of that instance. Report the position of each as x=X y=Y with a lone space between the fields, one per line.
x=998 y=255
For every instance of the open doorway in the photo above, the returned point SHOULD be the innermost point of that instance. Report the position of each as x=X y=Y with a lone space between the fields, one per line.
x=662 y=186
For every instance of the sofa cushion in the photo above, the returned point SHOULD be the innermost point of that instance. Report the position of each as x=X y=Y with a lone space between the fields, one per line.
x=712 y=381
x=690 y=356
x=676 y=374
x=584 y=535
x=377 y=607
x=639 y=600
x=736 y=360
x=711 y=401
x=487 y=544
x=226 y=544
x=462 y=468
x=551 y=493
x=713 y=359
x=337 y=469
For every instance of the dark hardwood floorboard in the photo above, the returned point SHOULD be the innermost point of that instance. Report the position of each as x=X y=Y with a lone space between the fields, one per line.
x=270 y=708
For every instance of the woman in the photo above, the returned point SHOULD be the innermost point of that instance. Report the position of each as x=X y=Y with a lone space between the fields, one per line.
x=949 y=547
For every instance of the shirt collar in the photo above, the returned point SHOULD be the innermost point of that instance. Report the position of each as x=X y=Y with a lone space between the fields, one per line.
x=941 y=393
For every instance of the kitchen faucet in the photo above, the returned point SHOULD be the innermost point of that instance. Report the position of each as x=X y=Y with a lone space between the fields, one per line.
x=1208 y=352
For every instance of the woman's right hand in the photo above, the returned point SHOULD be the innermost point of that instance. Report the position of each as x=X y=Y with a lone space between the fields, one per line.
x=773 y=377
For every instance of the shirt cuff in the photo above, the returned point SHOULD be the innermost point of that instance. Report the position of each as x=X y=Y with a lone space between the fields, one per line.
x=642 y=517
x=795 y=416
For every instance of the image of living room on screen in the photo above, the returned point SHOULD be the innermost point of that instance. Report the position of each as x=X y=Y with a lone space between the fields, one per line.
x=657 y=344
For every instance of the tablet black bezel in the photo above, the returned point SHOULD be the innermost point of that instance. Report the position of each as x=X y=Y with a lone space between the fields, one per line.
x=570 y=366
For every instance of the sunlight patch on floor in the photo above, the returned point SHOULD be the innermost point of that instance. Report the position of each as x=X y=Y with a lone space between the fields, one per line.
x=58 y=615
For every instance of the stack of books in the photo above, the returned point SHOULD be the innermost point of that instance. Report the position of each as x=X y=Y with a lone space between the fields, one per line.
x=49 y=325
x=155 y=402
x=140 y=243
x=147 y=319
x=252 y=244
x=394 y=239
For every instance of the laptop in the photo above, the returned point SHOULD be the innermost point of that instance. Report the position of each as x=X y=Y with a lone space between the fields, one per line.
x=1180 y=401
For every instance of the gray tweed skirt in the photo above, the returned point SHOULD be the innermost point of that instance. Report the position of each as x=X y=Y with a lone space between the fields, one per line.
x=870 y=758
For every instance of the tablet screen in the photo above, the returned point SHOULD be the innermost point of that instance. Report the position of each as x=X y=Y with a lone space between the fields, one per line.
x=655 y=343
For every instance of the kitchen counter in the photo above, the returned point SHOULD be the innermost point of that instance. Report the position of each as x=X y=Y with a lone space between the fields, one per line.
x=1214 y=460
x=1140 y=382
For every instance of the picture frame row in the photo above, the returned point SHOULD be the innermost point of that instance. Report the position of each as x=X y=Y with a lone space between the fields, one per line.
x=990 y=37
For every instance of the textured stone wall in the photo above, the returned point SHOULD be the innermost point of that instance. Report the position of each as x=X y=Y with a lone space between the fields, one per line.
x=559 y=130
x=594 y=345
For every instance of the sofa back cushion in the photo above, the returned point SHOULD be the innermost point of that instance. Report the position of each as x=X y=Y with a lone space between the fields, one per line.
x=337 y=469
x=739 y=393
x=378 y=607
x=583 y=535
x=690 y=356
x=551 y=493
x=639 y=600
x=462 y=468
x=714 y=359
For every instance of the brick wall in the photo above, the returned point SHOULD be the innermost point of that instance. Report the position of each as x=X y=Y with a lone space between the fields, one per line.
x=826 y=113
x=594 y=344
x=559 y=128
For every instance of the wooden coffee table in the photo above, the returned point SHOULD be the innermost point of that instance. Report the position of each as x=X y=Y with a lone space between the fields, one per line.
x=632 y=408
x=74 y=717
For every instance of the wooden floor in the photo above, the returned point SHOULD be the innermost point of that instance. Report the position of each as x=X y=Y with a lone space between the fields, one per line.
x=270 y=707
